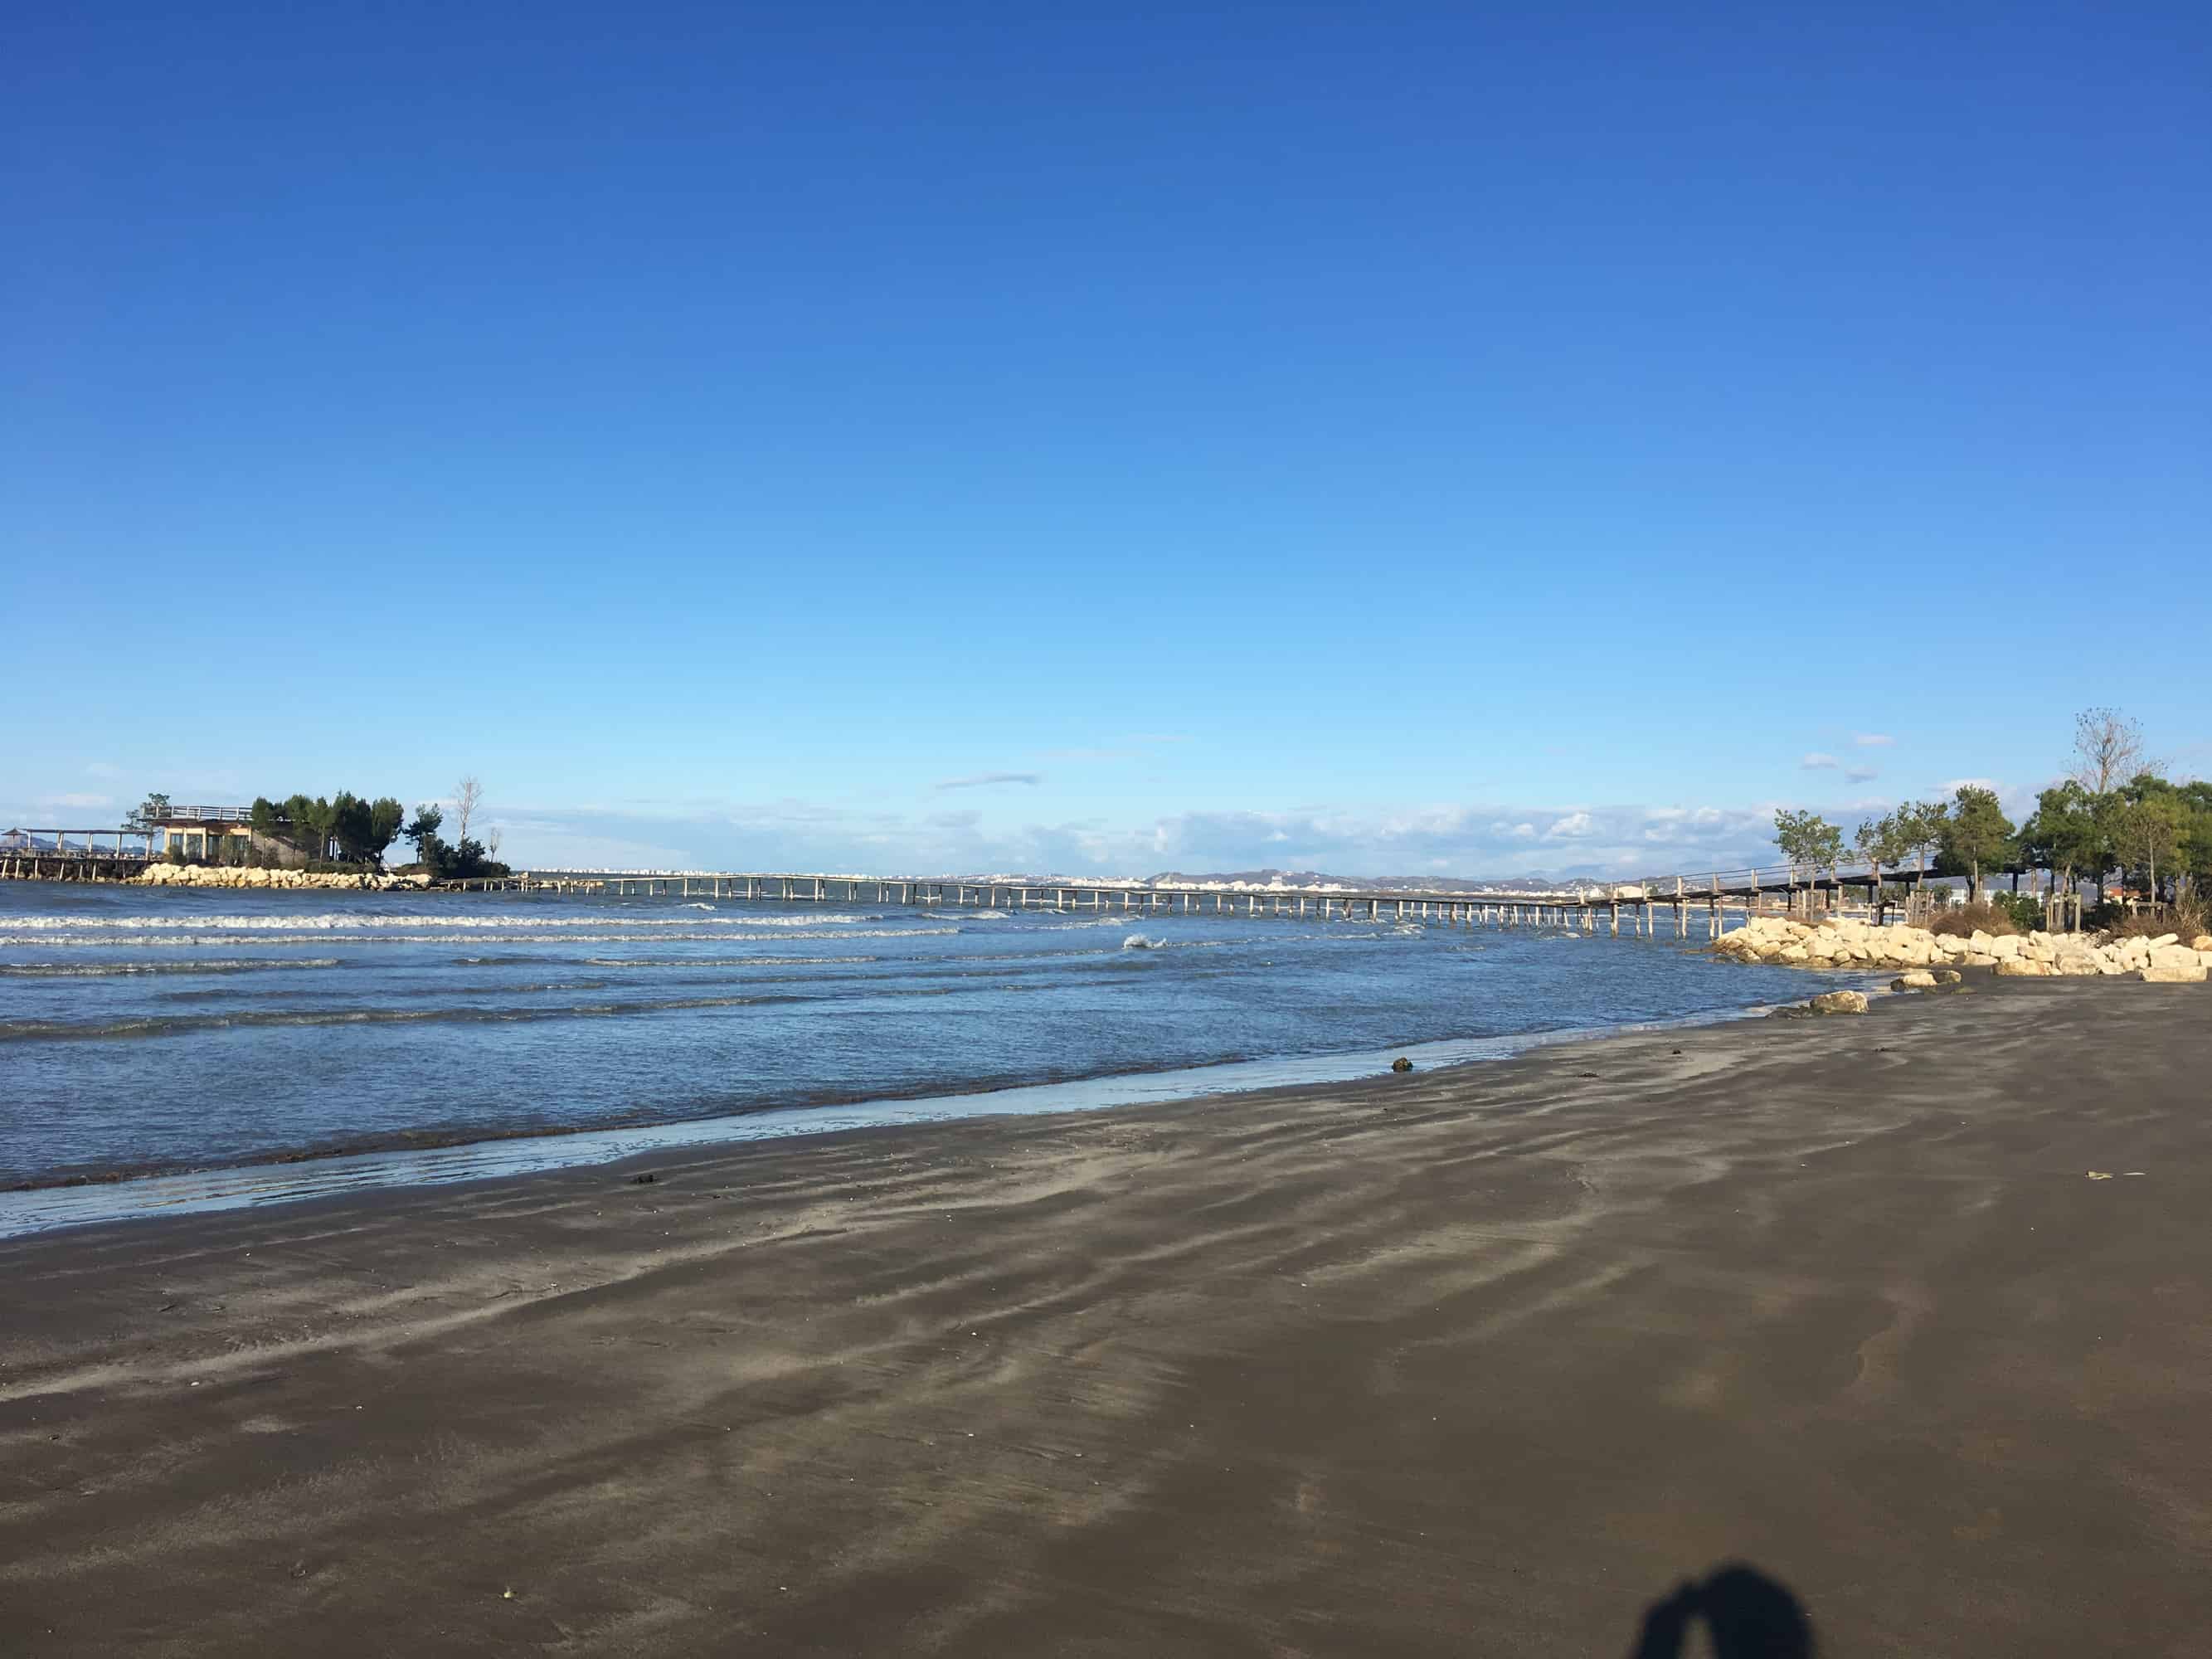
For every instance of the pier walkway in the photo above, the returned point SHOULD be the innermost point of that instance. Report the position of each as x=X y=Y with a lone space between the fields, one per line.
x=1685 y=899
x=75 y=854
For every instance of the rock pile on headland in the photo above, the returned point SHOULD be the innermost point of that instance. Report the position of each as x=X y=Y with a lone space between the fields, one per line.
x=1849 y=943
x=222 y=875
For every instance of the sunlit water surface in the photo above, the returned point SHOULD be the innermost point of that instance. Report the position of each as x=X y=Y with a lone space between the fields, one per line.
x=168 y=1031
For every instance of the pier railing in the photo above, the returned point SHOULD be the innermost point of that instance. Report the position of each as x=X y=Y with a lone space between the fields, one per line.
x=40 y=854
x=1764 y=878
x=1746 y=890
x=1704 y=901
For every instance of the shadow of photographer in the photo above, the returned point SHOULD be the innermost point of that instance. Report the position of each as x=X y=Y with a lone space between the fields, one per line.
x=1748 y=1615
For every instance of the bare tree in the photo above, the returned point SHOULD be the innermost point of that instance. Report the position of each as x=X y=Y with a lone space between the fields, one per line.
x=468 y=795
x=491 y=842
x=2108 y=750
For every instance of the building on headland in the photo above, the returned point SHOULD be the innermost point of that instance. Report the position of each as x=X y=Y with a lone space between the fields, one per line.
x=201 y=832
x=220 y=835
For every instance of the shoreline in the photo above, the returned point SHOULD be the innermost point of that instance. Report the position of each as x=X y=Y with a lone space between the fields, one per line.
x=1474 y=1360
x=169 y=1189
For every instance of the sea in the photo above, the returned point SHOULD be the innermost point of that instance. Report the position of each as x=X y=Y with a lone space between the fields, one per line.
x=167 y=1050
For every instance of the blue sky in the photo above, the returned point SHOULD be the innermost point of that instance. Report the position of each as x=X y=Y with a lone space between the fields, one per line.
x=1387 y=438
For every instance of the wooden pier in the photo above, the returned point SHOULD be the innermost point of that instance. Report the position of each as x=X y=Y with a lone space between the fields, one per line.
x=75 y=854
x=1704 y=901
x=1682 y=904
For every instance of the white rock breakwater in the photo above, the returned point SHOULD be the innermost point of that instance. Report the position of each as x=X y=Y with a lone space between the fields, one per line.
x=1848 y=943
x=216 y=875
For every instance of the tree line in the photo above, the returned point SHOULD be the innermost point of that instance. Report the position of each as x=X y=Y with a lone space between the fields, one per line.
x=2115 y=817
x=357 y=831
x=350 y=829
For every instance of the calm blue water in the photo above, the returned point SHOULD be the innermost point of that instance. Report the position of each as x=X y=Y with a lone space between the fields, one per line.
x=152 y=1030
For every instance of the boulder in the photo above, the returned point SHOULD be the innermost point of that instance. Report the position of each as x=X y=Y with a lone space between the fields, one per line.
x=2193 y=974
x=1839 y=1002
x=1929 y=961
x=1401 y=1064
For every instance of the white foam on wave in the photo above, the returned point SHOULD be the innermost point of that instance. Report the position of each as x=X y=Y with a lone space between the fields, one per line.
x=119 y=970
x=149 y=941
x=1138 y=942
x=350 y=920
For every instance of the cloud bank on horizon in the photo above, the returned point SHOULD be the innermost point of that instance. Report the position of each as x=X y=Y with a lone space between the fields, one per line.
x=1456 y=841
x=1016 y=824
x=1006 y=833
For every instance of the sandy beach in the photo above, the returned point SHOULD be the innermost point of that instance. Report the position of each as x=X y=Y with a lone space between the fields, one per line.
x=1481 y=1361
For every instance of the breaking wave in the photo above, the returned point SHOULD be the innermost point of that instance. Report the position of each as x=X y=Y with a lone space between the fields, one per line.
x=230 y=938
x=123 y=969
x=354 y=921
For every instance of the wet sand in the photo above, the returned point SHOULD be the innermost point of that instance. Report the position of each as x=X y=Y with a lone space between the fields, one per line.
x=1468 y=1362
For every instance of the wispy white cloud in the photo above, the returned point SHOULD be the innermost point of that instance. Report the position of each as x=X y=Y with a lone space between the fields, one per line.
x=1861 y=773
x=987 y=780
x=102 y=769
x=1817 y=762
x=1872 y=739
x=77 y=803
x=1465 y=841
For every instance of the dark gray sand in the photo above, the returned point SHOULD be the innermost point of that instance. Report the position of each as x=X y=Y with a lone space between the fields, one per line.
x=1475 y=1362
